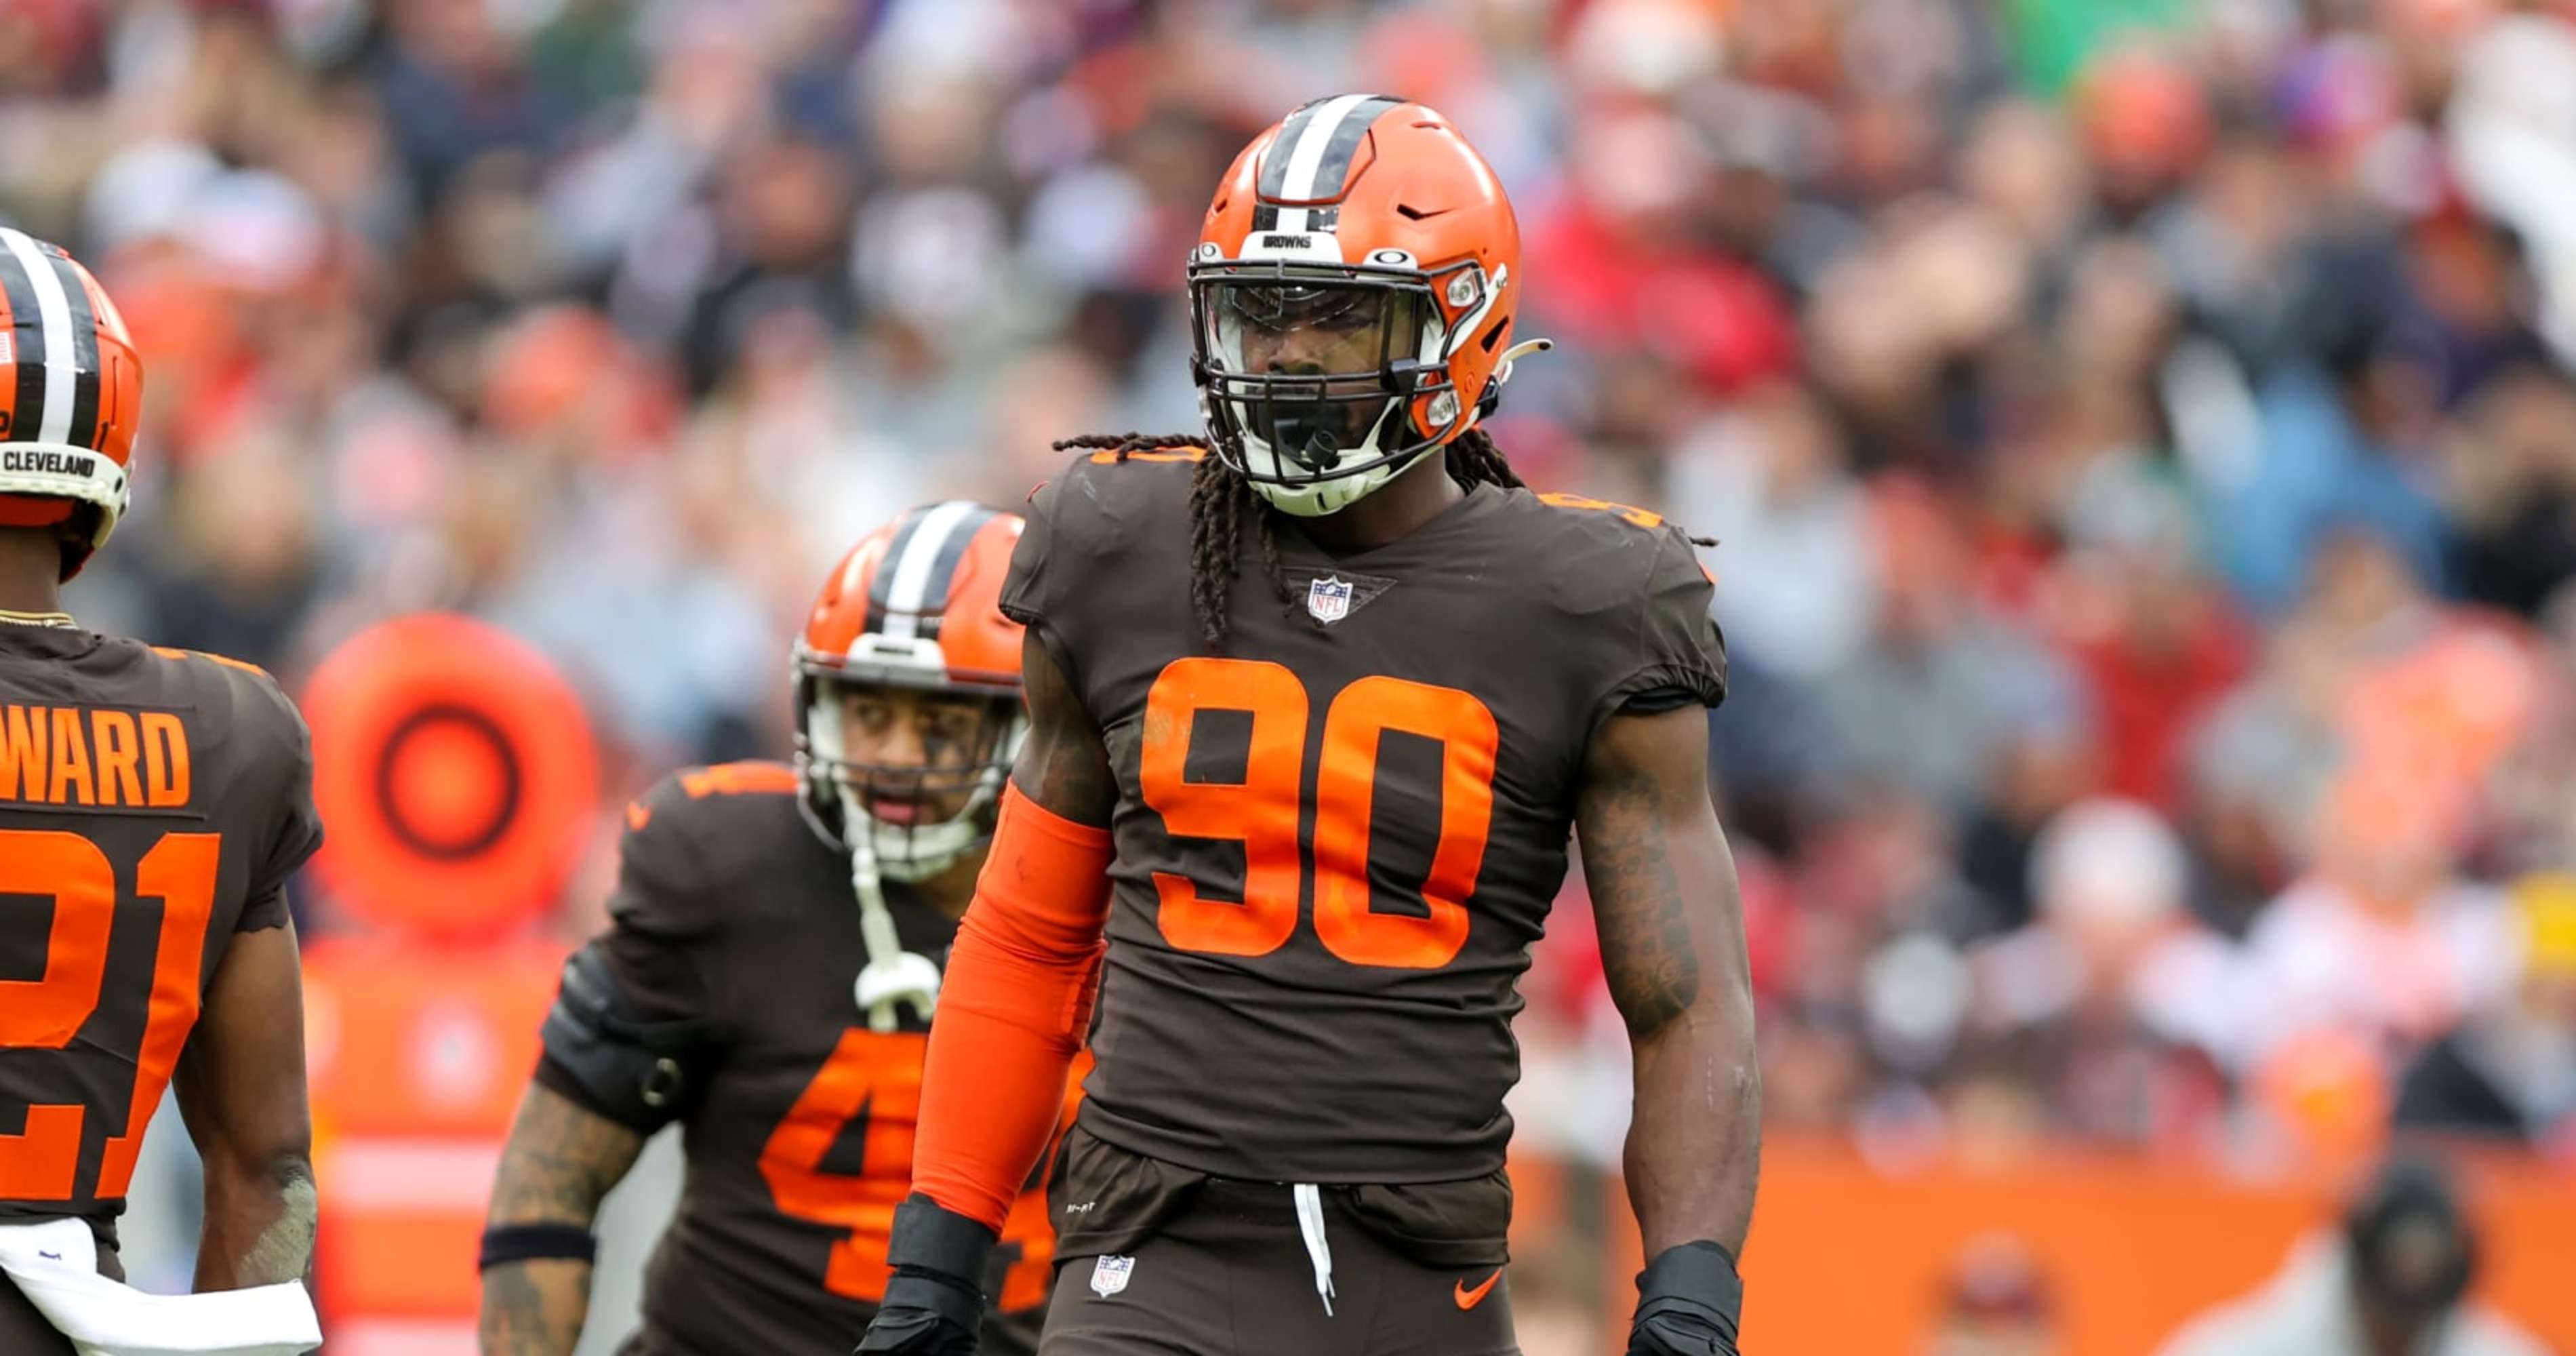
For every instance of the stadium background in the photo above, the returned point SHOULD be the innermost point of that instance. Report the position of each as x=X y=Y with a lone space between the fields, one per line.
x=2138 y=434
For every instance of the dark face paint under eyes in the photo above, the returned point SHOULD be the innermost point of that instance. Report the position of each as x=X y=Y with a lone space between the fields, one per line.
x=914 y=755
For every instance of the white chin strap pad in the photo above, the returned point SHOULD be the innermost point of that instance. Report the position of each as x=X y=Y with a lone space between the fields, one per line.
x=1314 y=498
x=909 y=854
x=1323 y=498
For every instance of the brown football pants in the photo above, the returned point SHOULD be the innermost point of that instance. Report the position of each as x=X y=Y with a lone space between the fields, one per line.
x=1230 y=1275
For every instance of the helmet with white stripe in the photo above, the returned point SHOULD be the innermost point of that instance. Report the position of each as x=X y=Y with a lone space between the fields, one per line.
x=71 y=393
x=1351 y=297
x=908 y=628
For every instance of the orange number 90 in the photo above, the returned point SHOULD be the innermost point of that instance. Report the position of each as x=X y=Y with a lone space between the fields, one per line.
x=1261 y=811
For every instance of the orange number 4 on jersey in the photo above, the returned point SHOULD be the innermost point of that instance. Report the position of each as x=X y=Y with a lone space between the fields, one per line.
x=878 y=1075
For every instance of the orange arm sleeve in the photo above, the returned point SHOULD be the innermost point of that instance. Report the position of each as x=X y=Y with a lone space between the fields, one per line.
x=1013 y=1010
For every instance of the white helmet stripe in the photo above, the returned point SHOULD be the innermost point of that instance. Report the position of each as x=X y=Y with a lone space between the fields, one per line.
x=1307 y=158
x=54 y=311
x=914 y=569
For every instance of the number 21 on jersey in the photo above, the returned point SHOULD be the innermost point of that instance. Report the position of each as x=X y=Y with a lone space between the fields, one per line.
x=1262 y=810
x=42 y=1162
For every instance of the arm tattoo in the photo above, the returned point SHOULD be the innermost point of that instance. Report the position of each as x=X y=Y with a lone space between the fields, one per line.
x=1638 y=901
x=561 y=1161
x=1672 y=930
x=1064 y=765
x=534 y=1308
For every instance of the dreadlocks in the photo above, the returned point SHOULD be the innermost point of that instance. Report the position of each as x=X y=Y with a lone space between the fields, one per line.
x=1220 y=500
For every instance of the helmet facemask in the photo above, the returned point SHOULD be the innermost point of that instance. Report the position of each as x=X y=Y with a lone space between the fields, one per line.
x=915 y=819
x=1319 y=382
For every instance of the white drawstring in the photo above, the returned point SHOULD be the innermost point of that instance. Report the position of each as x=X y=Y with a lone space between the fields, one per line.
x=1310 y=1223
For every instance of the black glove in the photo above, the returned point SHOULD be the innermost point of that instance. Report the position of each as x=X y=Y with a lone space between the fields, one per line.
x=1688 y=1300
x=932 y=1306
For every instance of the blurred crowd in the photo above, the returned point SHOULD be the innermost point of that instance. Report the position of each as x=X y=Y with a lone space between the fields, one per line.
x=2139 y=438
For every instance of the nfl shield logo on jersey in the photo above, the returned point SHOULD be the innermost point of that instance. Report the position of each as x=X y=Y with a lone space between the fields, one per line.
x=1329 y=598
x=1109 y=1275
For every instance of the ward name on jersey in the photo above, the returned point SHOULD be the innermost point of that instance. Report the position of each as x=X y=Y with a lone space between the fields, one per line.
x=156 y=801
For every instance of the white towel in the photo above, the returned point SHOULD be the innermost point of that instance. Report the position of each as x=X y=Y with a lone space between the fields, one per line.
x=56 y=1265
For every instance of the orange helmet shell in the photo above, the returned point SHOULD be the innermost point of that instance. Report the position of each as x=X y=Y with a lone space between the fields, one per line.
x=1377 y=189
x=918 y=603
x=71 y=388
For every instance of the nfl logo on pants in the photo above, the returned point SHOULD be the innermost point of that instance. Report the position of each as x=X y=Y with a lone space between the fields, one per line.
x=1109 y=1275
x=1329 y=598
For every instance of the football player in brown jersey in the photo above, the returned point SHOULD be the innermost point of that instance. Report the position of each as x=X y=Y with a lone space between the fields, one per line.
x=769 y=972
x=153 y=804
x=1296 y=848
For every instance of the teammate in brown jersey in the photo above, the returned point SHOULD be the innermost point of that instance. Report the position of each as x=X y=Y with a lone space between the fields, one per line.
x=1331 y=821
x=153 y=804
x=743 y=991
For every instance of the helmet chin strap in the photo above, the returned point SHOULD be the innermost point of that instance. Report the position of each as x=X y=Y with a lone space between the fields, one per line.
x=1326 y=496
x=1523 y=349
x=893 y=977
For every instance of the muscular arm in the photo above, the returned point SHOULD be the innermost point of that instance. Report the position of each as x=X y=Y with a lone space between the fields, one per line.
x=1672 y=943
x=559 y=1164
x=1063 y=765
x=241 y=1094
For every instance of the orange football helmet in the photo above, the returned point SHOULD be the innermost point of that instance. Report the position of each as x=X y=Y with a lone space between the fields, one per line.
x=916 y=604
x=71 y=392
x=1351 y=297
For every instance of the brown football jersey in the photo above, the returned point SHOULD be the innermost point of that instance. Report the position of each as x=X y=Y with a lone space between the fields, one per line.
x=730 y=908
x=152 y=804
x=1337 y=837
